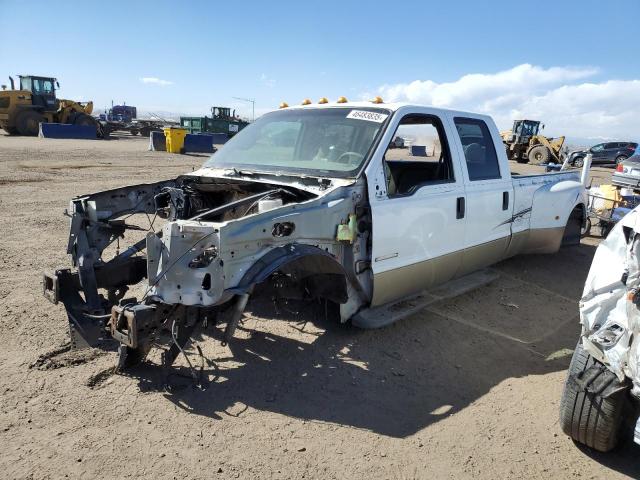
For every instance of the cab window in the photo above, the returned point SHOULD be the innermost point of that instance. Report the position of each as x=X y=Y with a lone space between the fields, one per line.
x=479 y=151
x=417 y=156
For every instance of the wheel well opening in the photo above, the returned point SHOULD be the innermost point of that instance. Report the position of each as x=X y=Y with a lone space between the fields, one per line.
x=574 y=228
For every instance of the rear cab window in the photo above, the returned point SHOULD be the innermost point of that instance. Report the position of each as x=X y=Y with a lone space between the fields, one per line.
x=479 y=151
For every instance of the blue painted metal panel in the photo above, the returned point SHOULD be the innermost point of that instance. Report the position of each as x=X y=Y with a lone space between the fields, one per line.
x=157 y=141
x=220 y=138
x=198 y=143
x=62 y=130
x=418 y=150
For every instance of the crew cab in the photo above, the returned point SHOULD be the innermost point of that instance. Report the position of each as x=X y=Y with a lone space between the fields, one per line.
x=311 y=198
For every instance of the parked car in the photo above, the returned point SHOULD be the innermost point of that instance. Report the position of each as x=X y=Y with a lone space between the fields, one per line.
x=333 y=215
x=610 y=152
x=602 y=391
x=627 y=173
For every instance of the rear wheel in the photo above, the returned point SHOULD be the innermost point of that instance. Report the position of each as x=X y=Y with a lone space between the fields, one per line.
x=28 y=123
x=590 y=418
x=574 y=229
x=539 y=154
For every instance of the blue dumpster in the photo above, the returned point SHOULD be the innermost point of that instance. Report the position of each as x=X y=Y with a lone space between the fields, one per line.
x=418 y=150
x=198 y=143
x=157 y=141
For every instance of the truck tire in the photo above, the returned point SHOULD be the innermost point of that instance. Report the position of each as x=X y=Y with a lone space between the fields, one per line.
x=28 y=123
x=539 y=154
x=11 y=130
x=573 y=230
x=589 y=418
x=82 y=119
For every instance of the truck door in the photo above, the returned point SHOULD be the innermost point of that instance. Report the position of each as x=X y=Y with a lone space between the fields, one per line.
x=418 y=207
x=489 y=191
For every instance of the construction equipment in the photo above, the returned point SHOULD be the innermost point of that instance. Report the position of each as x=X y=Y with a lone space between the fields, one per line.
x=22 y=110
x=123 y=118
x=222 y=120
x=524 y=143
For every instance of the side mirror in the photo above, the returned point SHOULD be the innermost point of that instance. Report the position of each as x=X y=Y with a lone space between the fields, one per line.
x=57 y=84
x=542 y=126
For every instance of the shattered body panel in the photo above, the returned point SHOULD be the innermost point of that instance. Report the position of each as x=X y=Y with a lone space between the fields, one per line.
x=609 y=306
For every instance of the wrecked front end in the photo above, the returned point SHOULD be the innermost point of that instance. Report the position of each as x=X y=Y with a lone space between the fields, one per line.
x=610 y=307
x=204 y=242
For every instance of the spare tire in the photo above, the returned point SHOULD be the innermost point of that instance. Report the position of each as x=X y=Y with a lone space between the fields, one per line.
x=28 y=123
x=539 y=154
x=590 y=418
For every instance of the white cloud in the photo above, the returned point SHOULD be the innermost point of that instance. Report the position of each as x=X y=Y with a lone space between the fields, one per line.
x=267 y=81
x=558 y=96
x=155 y=81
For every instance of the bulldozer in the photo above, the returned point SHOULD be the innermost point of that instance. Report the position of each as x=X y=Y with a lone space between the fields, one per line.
x=23 y=109
x=524 y=143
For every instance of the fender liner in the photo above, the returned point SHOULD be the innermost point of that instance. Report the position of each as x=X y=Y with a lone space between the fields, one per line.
x=305 y=261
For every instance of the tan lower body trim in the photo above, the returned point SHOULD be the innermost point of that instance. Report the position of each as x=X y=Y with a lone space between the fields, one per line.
x=401 y=282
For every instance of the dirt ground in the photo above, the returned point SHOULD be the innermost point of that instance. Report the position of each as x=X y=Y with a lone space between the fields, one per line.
x=468 y=388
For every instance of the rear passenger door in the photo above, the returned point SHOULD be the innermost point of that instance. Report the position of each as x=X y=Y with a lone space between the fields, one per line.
x=610 y=151
x=489 y=191
x=417 y=206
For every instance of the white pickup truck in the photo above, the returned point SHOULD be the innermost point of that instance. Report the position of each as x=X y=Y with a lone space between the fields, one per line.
x=313 y=201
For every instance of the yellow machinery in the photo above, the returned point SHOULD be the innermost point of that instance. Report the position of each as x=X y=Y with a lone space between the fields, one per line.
x=524 y=143
x=23 y=109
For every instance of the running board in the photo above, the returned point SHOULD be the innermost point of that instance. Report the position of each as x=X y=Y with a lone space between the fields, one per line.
x=389 y=313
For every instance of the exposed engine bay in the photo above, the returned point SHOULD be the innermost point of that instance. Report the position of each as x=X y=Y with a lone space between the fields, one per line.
x=212 y=237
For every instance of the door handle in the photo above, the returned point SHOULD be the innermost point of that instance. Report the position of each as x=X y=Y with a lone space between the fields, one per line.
x=460 y=207
x=505 y=200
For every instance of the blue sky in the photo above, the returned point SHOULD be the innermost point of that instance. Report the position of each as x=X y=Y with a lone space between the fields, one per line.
x=199 y=54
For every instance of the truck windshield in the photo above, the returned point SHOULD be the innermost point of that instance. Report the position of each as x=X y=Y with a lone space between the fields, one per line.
x=324 y=142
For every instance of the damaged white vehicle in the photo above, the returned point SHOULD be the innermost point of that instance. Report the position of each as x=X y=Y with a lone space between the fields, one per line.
x=313 y=203
x=603 y=386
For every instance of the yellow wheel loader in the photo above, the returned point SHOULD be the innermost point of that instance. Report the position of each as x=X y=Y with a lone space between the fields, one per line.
x=23 y=109
x=524 y=143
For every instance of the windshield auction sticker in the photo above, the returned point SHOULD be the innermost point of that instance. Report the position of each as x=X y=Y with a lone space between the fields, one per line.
x=370 y=116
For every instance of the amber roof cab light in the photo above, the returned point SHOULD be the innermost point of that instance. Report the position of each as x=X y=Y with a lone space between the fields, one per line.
x=342 y=100
x=377 y=100
x=284 y=105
